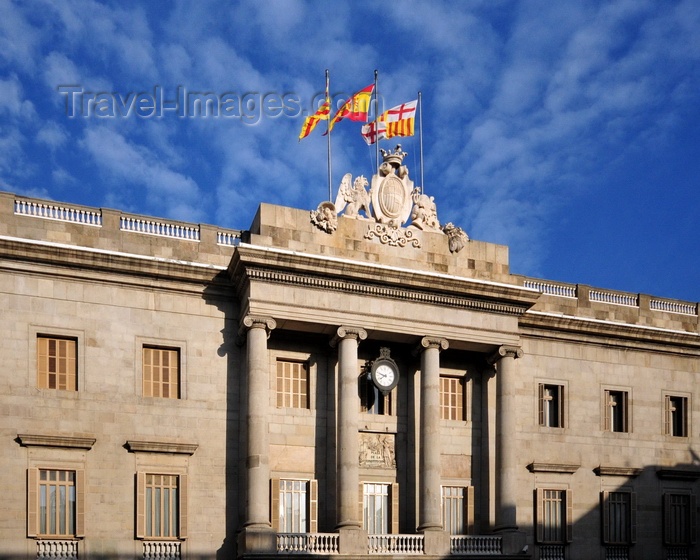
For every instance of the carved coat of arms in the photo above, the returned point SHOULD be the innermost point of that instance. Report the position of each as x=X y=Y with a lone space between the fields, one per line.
x=392 y=189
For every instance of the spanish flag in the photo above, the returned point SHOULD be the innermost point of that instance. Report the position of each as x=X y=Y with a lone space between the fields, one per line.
x=355 y=108
x=310 y=122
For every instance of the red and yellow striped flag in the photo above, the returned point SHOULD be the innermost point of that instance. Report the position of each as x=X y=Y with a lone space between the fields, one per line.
x=310 y=122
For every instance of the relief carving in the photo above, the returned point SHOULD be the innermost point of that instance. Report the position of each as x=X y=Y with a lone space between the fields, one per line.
x=377 y=451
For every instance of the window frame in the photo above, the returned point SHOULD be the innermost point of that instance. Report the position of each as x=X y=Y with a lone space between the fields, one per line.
x=168 y=344
x=561 y=406
x=392 y=509
x=669 y=422
x=631 y=522
x=566 y=515
x=290 y=395
x=42 y=331
x=691 y=518
x=460 y=409
x=34 y=505
x=467 y=508
x=141 y=503
x=384 y=404
x=609 y=410
x=311 y=503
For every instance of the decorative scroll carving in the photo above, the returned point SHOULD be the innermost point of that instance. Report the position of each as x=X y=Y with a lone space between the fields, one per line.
x=392 y=236
x=358 y=333
x=431 y=342
x=254 y=322
x=377 y=451
x=506 y=352
x=325 y=217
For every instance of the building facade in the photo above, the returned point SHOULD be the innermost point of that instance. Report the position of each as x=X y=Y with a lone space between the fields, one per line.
x=369 y=383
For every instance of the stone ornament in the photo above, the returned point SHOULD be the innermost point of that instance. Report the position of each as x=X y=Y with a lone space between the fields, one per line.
x=325 y=217
x=377 y=451
x=391 y=189
x=456 y=237
x=392 y=236
x=424 y=212
x=353 y=198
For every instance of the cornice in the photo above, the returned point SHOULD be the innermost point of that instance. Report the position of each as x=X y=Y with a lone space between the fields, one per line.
x=617 y=471
x=69 y=442
x=678 y=474
x=563 y=468
x=161 y=447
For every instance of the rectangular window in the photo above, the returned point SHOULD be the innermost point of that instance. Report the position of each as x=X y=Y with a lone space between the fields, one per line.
x=292 y=384
x=680 y=519
x=375 y=503
x=619 y=518
x=161 y=505
x=373 y=401
x=616 y=411
x=57 y=365
x=554 y=516
x=551 y=405
x=294 y=505
x=161 y=372
x=452 y=398
x=676 y=416
x=57 y=503
x=458 y=509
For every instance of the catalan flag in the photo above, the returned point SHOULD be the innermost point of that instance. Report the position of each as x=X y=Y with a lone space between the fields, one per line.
x=310 y=122
x=397 y=121
x=355 y=108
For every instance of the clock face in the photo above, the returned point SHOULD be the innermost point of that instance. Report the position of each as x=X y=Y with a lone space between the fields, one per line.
x=385 y=374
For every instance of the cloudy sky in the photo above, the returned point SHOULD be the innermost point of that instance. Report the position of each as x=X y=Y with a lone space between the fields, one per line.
x=567 y=130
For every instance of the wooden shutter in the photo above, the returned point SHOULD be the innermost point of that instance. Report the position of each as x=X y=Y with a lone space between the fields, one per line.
x=627 y=413
x=313 y=506
x=569 y=505
x=540 y=405
x=539 y=514
x=560 y=406
x=633 y=517
x=667 y=515
x=606 y=515
x=32 y=502
x=80 y=503
x=140 y=505
x=668 y=430
x=470 y=510
x=607 y=419
x=394 y=497
x=693 y=519
x=275 y=504
x=363 y=521
x=182 y=488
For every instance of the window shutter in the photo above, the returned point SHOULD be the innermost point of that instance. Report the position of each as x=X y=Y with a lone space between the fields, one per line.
x=607 y=420
x=626 y=413
x=667 y=515
x=140 y=505
x=540 y=405
x=560 y=406
x=80 y=505
x=667 y=419
x=275 y=503
x=539 y=514
x=569 y=498
x=470 y=510
x=606 y=516
x=182 y=487
x=633 y=517
x=693 y=520
x=313 y=506
x=394 y=508
x=32 y=502
x=362 y=504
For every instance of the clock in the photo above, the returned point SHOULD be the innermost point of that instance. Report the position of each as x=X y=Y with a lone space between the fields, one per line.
x=385 y=374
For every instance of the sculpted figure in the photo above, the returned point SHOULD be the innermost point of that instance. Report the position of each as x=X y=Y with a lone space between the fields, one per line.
x=424 y=212
x=325 y=217
x=456 y=237
x=353 y=197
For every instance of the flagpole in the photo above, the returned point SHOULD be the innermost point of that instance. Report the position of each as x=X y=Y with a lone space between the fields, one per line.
x=376 y=118
x=420 y=137
x=328 y=130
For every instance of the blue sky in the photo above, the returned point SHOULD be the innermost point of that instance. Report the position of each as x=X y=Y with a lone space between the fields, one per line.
x=567 y=130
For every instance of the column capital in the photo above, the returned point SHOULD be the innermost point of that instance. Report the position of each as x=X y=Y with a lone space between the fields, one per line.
x=514 y=352
x=343 y=332
x=432 y=342
x=254 y=322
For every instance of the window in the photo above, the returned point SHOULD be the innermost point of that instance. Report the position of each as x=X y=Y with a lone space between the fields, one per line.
x=619 y=518
x=373 y=401
x=616 y=411
x=458 y=509
x=680 y=519
x=676 y=416
x=161 y=372
x=57 y=366
x=452 y=398
x=161 y=506
x=294 y=506
x=554 y=516
x=55 y=503
x=292 y=384
x=380 y=508
x=551 y=405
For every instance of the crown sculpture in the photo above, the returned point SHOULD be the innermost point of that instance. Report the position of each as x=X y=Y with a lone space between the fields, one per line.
x=390 y=202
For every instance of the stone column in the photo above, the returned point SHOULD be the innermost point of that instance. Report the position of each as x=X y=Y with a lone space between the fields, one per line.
x=347 y=340
x=437 y=541
x=257 y=535
x=506 y=447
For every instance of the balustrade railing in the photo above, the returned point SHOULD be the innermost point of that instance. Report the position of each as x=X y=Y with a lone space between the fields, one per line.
x=677 y=553
x=673 y=306
x=482 y=545
x=162 y=229
x=161 y=550
x=549 y=288
x=617 y=553
x=56 y=212
x=630 y=300
x=552 y=552
x=395 y=544
x=57 y=550
x=228 y=238
x=308 y=543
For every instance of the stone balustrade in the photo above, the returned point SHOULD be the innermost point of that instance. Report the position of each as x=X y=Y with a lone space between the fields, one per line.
x=475 y=545
x=161 y=550
x=57 y=549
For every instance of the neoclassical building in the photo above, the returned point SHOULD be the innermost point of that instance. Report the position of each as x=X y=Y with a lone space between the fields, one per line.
x=349 y=381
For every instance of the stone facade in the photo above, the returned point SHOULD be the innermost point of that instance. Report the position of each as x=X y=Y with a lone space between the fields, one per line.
x=538 y=365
